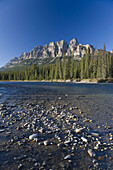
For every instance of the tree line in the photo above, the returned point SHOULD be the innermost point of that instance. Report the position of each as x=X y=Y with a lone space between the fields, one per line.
x=98 y=65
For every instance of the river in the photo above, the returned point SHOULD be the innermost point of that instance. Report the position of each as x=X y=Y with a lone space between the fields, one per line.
x=23 y=102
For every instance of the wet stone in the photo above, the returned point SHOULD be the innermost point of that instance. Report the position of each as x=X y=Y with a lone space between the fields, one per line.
x=84 y=139
x=46 y=143
x=101 y=158
x=42 y=132
x=79 y=130
x=31 y=137
x=95 y=134
x=20 y=166
x=91 y=153
x=68 y=157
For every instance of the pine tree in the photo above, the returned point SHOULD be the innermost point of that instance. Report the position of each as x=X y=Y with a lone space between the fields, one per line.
x=46 y=73
x=94 y=70
x=68 y=67
x=65 y=71
x=72 y=67
x=99 y=65
x=52 y=72
x=26 y=73
x=36 y=73
x=82 y=68
x=58 y=73
x=77 y=71
x=87 y=61
x=104 y=63
x=64 y=67
x=108 y=65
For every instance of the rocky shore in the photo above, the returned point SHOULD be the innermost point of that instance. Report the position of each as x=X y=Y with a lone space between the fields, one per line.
x=86 y=81
x=52 y=131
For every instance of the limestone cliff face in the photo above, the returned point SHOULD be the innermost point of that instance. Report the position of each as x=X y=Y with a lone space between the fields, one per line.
x=53 y=49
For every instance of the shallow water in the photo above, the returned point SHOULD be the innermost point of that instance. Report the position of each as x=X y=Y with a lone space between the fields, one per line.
x=94 y=100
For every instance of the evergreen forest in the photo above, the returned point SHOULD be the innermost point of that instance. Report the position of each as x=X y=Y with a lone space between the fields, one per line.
x=98 y=65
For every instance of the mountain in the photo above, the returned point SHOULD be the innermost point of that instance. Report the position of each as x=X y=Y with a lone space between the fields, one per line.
x=48 y=53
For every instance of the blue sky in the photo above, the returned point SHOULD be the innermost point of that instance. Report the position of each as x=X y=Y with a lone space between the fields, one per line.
x=26 y=23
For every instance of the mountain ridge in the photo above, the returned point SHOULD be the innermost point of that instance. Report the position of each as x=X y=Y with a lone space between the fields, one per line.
x=51 y=50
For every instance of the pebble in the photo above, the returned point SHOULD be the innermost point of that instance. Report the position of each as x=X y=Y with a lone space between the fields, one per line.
x=101 y=158
x=2 y=130
x=67 y=142
x=37 y=164
x=58 y=124
x=46 y=143
x=91 y=153
x=84 y=139
x=20 y=166
x=95 y=134
x=31 y=137
x=68 y=157
x=41 y=130
x=79 y=130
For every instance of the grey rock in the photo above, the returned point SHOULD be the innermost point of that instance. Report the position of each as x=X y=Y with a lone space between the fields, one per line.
x=53 y=50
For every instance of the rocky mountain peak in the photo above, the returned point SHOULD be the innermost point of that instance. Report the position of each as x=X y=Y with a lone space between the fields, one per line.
x=53 y=50
x=73 y=43
x=51 y=44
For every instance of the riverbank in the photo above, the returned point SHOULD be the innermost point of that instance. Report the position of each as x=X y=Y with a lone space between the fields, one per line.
x=56 y=126
x=109 y=80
